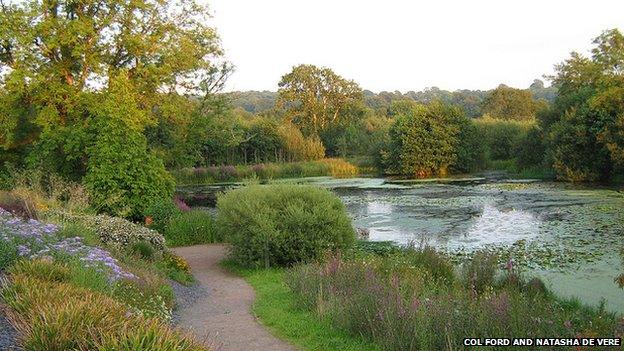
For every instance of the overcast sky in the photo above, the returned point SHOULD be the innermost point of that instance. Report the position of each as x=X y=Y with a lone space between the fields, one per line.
x=408 y=45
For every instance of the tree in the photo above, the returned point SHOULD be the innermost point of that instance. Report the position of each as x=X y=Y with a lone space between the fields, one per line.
x=585 y=128
x=423 y=139
x=63 y=62
x=55 y=54
x=316 y=98
x=511 y=104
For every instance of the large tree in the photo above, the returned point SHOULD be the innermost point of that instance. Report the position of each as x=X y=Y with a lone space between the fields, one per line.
x=585 y=128
x=59 y=60
x=316 y=98
x=423 y=139
x=511 y=104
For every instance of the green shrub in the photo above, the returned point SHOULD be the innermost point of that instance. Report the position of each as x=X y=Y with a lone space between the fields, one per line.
x=190 y=228
x=161 y=213
x=279 y=225
x=115 y=231
x=8 y=254
x=123 y=176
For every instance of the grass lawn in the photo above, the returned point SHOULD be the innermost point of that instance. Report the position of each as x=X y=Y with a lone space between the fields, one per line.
x=276 y=308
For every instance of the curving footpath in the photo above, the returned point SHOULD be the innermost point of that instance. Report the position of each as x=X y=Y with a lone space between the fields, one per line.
x=222 y=317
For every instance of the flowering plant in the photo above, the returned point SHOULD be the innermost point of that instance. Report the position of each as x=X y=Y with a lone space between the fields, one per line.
x=35 y=239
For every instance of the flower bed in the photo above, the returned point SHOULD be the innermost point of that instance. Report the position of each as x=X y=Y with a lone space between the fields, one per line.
x=33 y=239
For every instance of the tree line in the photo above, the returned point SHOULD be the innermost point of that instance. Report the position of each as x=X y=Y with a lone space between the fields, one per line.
x=114 y=93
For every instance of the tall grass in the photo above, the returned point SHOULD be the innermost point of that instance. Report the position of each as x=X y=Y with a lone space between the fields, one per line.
x=409 y=301
x=190 y=228
x=335 y=167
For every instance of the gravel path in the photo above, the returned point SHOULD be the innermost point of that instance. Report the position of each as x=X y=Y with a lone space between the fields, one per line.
x=218 y=308
x=8 y=336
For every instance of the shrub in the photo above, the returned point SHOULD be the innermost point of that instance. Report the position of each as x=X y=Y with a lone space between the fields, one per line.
x=118 y=232
x=190 y=228
x=161 y=213
x=123 y=177
x=279 y=225
x=423 y=139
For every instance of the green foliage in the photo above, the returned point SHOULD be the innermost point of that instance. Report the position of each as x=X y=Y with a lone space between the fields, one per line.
x=423 y=139
x=265 y=171
x=43 y=270
x=279 y=225
x=123 y=178
x=75 y=229
x=392 y=301
x=146 y=303
x=479 y=272
x=511 y=104
x=190 y=228
x=502 y=138
x=116 y=232
x=60 y=316
x=143 y=250
x=161 y=212
x=584 y=127
x=8 y=254
x=316 y=98
x=51 y=92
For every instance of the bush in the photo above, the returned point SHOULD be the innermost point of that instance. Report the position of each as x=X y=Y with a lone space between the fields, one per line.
x=118 y=232
x=161 y=213
x=190 y=228
x=279 y=225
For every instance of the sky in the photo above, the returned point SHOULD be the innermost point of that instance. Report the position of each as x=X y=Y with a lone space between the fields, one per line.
x=408 y=45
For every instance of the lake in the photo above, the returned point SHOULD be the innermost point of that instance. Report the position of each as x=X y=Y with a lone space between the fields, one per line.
x=571 y=236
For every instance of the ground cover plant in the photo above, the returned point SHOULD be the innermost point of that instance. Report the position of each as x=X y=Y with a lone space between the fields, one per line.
x=282 y=224
x=66 y=294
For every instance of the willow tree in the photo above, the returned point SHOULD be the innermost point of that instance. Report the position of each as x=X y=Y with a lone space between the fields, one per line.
x=316 y=98
x=59 y=57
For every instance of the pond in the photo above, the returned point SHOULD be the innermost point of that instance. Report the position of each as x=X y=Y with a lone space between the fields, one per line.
x=569 y=235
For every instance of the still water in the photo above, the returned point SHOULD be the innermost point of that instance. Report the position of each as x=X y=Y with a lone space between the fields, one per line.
x=570 y=236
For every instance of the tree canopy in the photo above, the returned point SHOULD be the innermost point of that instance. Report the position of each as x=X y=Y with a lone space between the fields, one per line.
x=316 y=98
x=586 y=125
x=511 y=104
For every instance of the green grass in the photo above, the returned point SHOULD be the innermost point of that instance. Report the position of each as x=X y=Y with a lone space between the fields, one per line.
x=276 y=308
